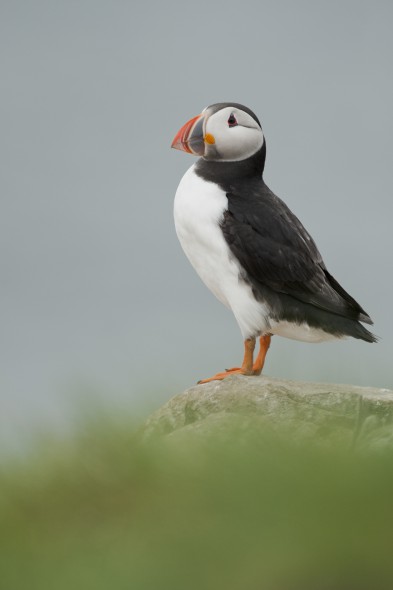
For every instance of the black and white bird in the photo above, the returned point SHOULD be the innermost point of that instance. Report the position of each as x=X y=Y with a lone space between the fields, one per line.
x=248 y=247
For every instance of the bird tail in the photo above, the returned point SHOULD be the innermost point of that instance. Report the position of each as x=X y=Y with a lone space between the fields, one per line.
x=362 y=316
x=359 y=331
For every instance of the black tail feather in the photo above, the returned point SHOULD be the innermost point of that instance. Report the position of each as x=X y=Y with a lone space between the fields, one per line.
x=352 y=303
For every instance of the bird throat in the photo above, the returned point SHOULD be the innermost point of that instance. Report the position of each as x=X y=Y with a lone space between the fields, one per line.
x=225 y=173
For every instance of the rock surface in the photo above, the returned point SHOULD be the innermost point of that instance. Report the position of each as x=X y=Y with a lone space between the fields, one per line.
x=361 y=416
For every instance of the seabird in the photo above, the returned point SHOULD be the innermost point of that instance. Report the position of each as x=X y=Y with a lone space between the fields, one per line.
x=247 y=246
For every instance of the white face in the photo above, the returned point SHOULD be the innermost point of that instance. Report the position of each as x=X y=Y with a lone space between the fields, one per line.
x=236 y=135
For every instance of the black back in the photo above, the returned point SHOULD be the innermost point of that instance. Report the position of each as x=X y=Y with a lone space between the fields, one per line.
x=280 y=259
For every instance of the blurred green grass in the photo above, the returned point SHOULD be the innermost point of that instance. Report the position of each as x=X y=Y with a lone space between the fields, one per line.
x=102 y=510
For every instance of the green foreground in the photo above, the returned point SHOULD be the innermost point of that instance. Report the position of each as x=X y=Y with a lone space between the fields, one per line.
x=103 y=511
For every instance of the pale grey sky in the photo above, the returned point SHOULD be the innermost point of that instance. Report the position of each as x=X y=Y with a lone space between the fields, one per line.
x=96 y=292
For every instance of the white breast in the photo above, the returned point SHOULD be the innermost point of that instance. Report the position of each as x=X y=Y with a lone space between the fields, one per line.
x=199 y=207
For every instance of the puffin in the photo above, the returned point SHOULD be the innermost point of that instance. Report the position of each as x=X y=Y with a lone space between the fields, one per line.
x=248 y=247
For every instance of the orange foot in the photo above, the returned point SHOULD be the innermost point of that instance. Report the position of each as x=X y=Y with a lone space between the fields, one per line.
x=248 y=367
x=226 y=373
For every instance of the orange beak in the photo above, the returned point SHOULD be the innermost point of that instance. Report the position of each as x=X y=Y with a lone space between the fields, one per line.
x=190 y=138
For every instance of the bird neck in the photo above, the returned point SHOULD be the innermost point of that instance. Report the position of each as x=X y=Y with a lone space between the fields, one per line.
x=225 y=173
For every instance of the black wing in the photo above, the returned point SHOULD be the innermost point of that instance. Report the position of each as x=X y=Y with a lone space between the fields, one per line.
x=276 y=251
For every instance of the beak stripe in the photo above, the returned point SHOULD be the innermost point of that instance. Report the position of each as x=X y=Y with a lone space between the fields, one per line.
x=180 y=140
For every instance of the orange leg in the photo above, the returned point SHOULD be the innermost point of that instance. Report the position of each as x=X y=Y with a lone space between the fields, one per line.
x=248 y=366
x=264 y=343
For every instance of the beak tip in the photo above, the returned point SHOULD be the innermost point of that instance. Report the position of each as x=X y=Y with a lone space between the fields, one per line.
x=184 y=139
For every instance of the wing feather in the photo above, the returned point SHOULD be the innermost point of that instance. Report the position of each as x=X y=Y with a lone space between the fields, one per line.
x=275 y=250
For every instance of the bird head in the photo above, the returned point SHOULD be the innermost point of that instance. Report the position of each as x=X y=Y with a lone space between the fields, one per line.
x=227 y=132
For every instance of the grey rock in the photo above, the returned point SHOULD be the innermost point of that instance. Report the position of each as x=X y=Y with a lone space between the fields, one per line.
x=352 y=415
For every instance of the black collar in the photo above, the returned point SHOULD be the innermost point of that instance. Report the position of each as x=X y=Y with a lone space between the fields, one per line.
x=226 y=173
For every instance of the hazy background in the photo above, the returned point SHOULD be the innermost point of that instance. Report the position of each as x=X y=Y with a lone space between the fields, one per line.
x=96 y=293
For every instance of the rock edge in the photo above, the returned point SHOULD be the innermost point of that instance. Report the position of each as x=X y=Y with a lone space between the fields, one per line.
x=354 y=415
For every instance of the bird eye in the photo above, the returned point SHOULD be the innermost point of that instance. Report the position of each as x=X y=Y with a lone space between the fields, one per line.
x=232 y=122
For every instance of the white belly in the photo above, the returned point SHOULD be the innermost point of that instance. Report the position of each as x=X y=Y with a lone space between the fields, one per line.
x=199 y=207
